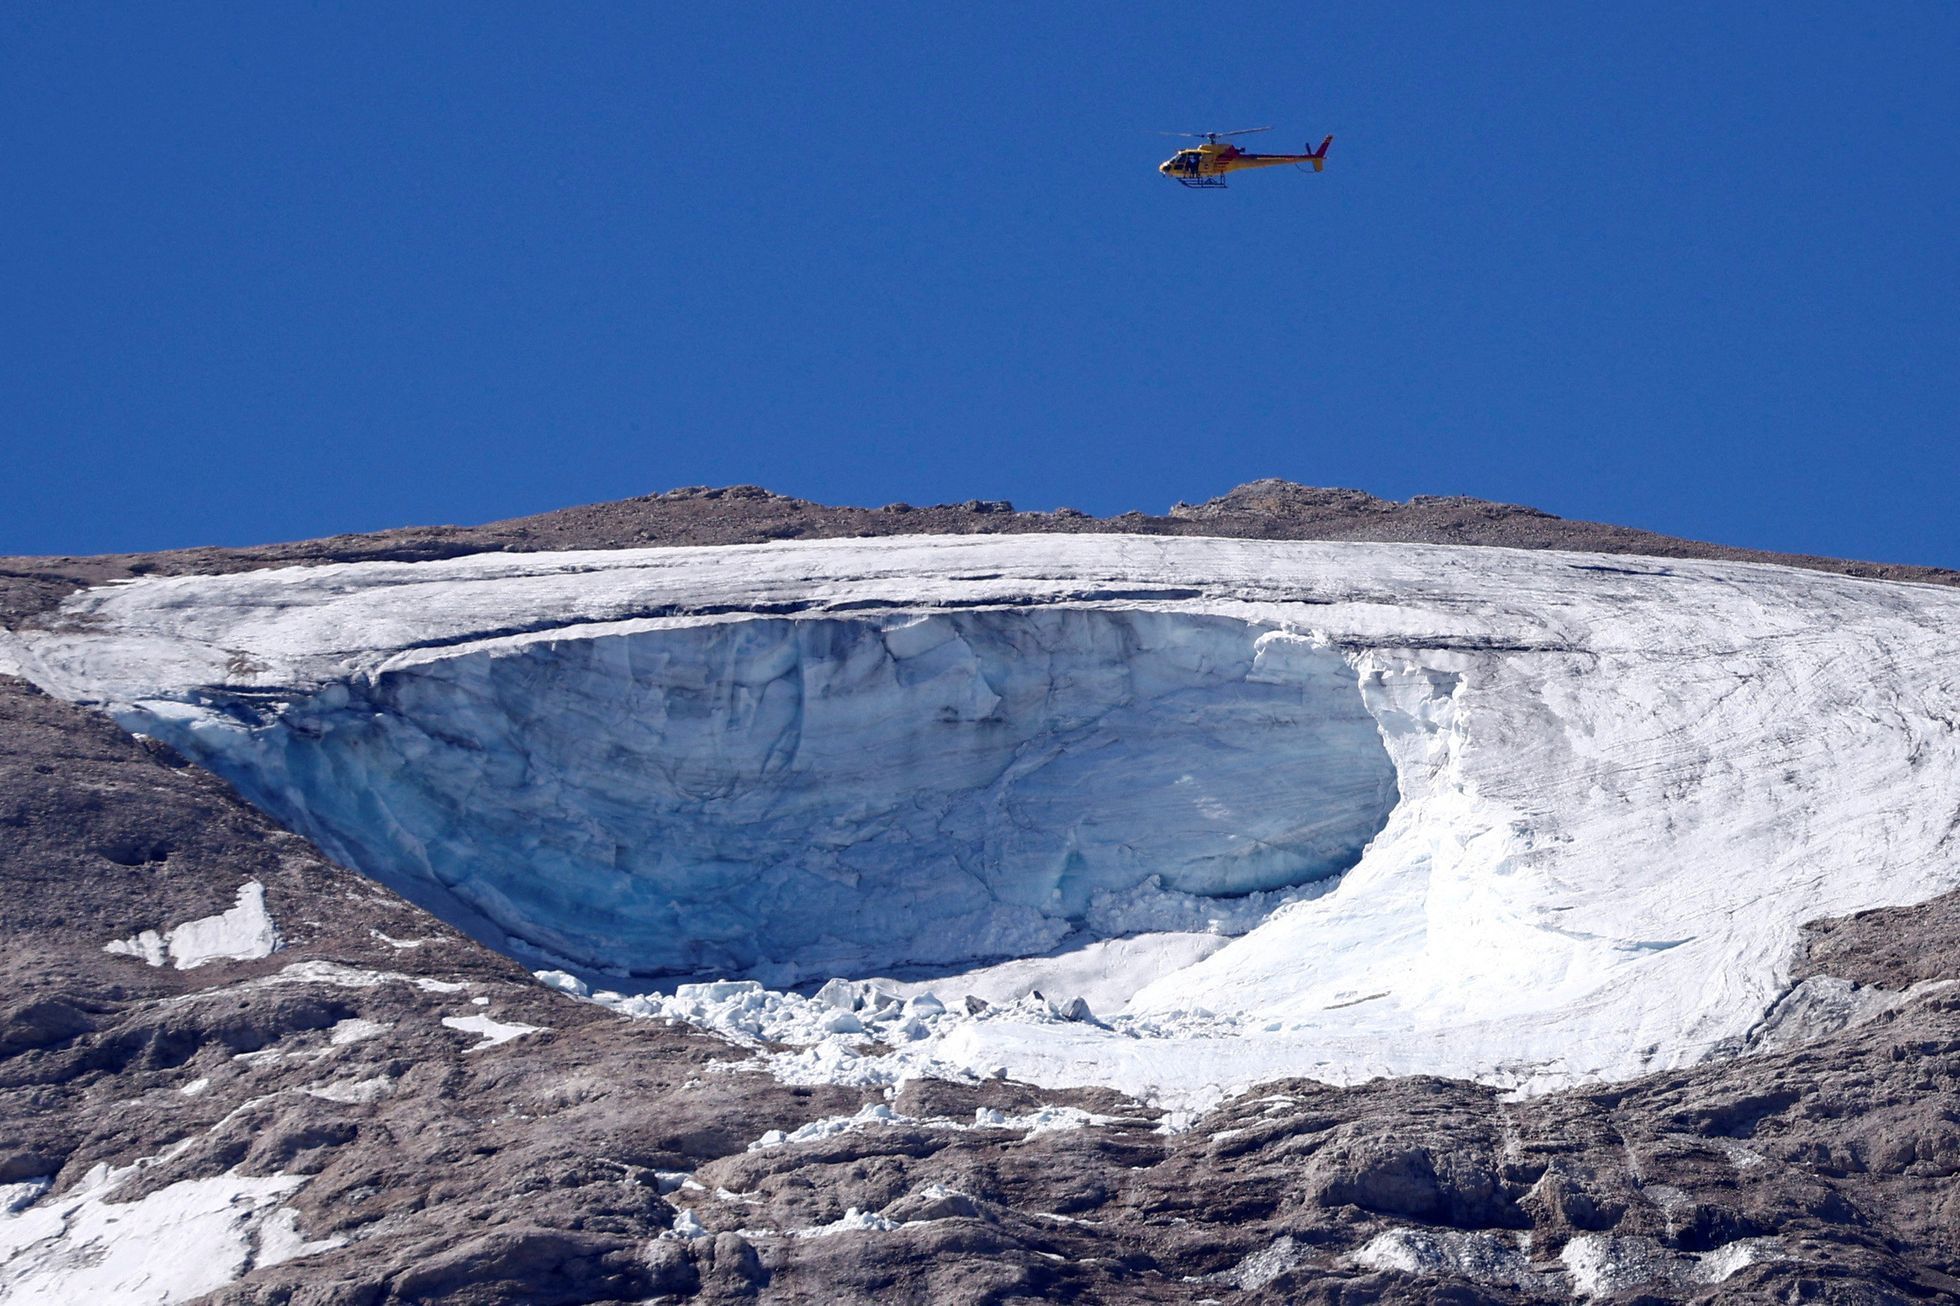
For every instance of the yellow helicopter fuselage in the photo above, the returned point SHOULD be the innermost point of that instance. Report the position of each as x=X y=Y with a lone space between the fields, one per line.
x=1210 y=162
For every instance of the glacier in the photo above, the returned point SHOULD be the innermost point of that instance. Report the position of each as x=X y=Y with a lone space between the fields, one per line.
x=1337 y=810
x=831 y=796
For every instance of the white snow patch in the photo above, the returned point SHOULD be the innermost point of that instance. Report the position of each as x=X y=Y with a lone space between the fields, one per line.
x=1481 y=1257
x=174 y=1244
x=1718 y=1265
x=1041 y=1120
x=149 y=945
x=852 y=1221
x=244 y=933
x=673 y=1181
x=356 y=1091
x=1603 y=1264
x=280 y=1240
x=354 y=977
x=1260 y=1268
x=354 y=1030
x=493 y=1032
x=874 y=1113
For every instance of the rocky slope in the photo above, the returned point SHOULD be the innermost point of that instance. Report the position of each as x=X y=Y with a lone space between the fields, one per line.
x=381 y=1110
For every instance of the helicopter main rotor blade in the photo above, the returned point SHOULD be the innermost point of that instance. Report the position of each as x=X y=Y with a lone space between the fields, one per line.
x=1212 y=136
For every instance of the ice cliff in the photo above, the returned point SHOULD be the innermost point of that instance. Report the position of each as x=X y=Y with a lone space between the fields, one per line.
x=808 y=798
x=1530 y=817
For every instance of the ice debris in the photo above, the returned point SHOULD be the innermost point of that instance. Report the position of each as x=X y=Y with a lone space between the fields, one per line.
x=852 y=1221
x=857 y=1031
x=1041 y=1120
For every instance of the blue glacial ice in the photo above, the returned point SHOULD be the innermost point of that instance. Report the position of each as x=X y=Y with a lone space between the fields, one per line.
x=803 y=798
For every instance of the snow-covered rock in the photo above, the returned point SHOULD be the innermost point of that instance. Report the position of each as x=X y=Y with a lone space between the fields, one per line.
x=1529 y=817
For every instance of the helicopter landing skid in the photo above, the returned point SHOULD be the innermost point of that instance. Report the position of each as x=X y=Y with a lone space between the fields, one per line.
x=1203 y=183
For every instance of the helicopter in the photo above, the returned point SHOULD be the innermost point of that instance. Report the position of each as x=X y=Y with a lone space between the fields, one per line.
x=1203 y=167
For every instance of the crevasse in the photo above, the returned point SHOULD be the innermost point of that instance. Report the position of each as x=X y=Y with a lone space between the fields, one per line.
x=811 y=797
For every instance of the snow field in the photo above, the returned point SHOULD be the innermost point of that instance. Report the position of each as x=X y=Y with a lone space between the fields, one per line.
x=1532 y=818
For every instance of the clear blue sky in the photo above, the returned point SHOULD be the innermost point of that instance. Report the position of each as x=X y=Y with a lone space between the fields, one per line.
x=279 y=270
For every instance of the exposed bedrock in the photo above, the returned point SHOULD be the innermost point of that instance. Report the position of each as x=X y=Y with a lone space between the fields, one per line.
x=812 y=797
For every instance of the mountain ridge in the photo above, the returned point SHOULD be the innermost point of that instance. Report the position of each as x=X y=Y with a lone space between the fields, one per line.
x=1270 y=508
